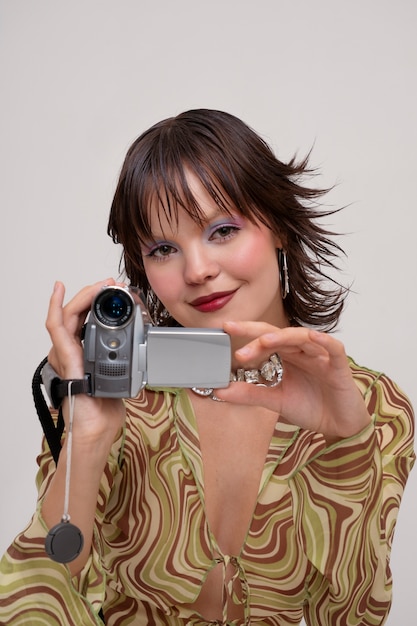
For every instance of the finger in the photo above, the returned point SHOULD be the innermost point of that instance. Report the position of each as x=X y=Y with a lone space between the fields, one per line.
x=61 y=346
x=253 y=351
x=333 y=347
x=270 y=336
x=62 y=321
x=81 y=302
x=54 y=316
x=250 y=330
x=310 y=350
x=288 y=342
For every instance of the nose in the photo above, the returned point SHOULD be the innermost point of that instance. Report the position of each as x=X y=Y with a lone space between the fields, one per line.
x=200 y=265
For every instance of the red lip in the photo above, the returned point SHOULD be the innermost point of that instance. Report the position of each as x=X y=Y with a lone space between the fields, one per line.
x=213 y=301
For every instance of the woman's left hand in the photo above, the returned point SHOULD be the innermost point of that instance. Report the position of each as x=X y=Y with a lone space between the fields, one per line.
x=317 y=391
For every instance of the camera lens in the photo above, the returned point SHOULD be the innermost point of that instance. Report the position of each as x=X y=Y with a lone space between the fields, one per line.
x=113 y=307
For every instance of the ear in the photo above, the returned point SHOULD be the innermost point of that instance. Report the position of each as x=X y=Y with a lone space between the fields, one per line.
x=280 y=242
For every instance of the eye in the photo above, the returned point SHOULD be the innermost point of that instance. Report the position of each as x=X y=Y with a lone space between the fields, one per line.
x=161 y=251
x=224 y=231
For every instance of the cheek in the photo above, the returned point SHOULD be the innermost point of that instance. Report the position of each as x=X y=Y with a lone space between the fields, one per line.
x=164 y=284
x=258 y=256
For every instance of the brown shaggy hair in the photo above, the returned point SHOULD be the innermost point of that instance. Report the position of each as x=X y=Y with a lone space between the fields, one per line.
x=239 y=170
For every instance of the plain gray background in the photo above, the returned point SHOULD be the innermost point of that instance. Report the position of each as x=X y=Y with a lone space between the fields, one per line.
x=81 y=79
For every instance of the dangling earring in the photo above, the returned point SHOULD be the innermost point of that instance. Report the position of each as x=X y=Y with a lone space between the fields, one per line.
x=156 y=309
x=283 y=272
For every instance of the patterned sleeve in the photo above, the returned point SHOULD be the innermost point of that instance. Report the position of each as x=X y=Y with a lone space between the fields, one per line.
x=34 y=588
x=346 y=504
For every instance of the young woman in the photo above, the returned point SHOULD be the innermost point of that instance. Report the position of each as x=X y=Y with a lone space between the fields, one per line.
x=252 y=504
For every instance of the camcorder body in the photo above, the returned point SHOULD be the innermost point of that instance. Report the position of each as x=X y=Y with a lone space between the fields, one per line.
x=124 y=351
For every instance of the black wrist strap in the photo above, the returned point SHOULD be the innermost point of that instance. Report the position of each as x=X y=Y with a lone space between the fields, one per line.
x=60 y=388
x=57 y=388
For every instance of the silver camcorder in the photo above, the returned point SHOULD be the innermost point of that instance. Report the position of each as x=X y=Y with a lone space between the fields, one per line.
x=123 y=351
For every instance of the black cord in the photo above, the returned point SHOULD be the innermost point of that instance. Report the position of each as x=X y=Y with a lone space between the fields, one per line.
x=52 y=432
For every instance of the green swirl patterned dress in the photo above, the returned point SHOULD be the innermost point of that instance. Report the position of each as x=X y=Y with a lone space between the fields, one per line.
x=318 y=545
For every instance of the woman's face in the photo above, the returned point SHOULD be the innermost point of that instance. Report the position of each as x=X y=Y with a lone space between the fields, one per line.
x=226 y=269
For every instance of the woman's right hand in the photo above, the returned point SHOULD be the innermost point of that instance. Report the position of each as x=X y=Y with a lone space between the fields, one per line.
x=96 y=417
x=96 y=425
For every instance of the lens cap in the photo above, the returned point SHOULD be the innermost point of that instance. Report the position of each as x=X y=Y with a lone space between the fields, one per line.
x=64 y=542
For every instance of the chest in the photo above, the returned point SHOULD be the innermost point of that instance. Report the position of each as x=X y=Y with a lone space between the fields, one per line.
x=234 y=448
x=190 y=488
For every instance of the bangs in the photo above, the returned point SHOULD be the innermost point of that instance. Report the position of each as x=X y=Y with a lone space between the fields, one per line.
x=165 y=190
x=158 y=183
